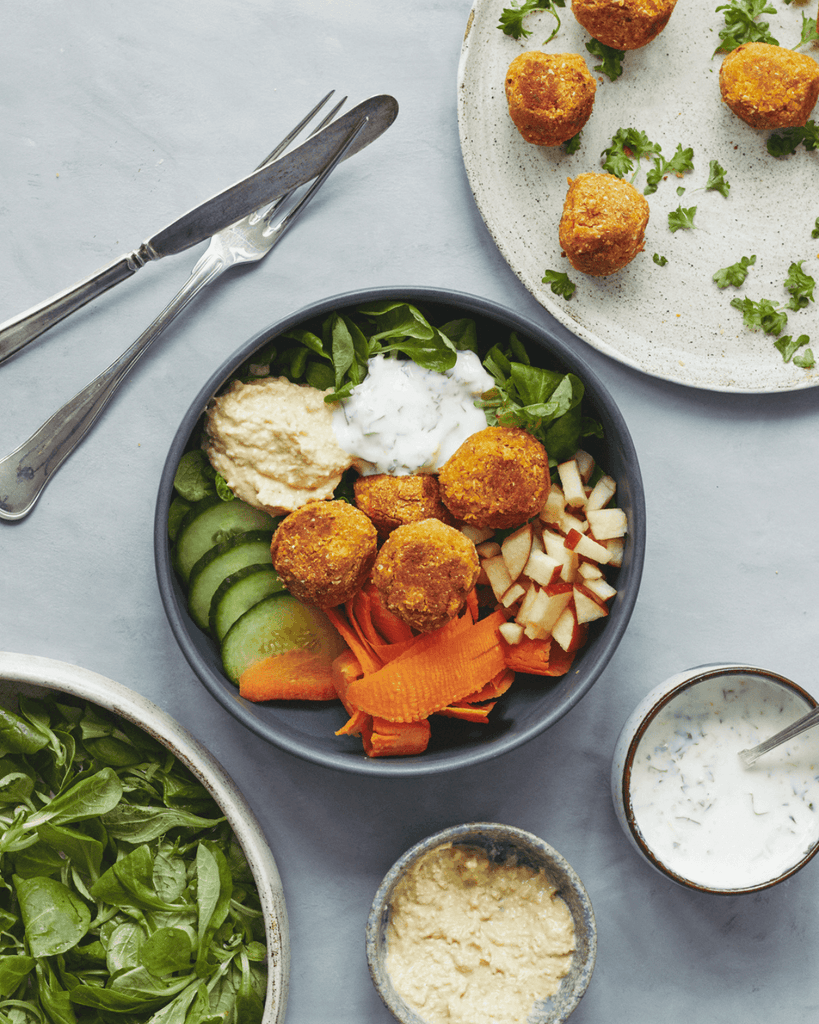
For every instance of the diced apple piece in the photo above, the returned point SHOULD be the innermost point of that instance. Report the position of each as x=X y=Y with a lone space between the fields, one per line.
x=554 y=505
x=542 y=568
x=568 y=632
x=570 y=568
x=477 y=534
x=514 y=593
x=572 y=483
x=525 y=605
x=600 y=588
x=602 y=493
x=488 y=548
x=568 y=522
x=555 y=547
x=588 y=548
x=546 y=609
x=516 y=549
x=605 y=523
x=589 y=571
x=512 y=632
x=586 y=607
x=497 y=574
x=585 y=464
x=615 y=547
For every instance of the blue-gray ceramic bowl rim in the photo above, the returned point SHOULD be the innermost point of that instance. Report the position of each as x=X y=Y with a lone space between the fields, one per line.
x=500 y=843
x=694 y=678
x=309 y=738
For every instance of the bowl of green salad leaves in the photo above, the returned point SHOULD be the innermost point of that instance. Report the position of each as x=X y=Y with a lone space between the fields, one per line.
x=135 y=881
x=228 y=608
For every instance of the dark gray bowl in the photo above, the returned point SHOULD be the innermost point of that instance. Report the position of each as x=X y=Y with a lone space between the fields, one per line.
x=501 y=843
x=530 y=706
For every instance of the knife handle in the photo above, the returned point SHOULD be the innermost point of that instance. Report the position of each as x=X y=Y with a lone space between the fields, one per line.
x=25 y=327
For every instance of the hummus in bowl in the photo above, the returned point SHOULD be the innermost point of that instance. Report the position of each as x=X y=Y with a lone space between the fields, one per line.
x=481 y=924
x=274 y=444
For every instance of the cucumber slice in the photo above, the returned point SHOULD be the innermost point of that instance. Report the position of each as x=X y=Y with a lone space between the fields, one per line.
x=221 y=561
x=240 y=591
x=211 y=521
x=276 y=624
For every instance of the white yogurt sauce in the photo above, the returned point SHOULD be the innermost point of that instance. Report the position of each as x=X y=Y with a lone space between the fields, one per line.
x=403 y=419
x=700 y=811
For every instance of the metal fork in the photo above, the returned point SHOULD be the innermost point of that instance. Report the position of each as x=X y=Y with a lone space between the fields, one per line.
x=26 y=471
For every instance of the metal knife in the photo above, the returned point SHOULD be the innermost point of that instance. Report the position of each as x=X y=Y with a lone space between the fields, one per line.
x=237 y=201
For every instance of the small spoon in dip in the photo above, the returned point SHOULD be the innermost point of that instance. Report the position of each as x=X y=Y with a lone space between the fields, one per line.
x=749 y=756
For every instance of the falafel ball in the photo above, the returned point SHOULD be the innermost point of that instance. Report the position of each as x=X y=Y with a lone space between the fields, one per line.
x=623 y=24
x=391 y=501
x=499 y=477
x=550 y=96
x=324 y=551
x=603 y=223
x=769 y=86
x=424 y=572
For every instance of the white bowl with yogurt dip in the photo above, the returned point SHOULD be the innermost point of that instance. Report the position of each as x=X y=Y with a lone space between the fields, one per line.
x=689 y=805
x=481 y=923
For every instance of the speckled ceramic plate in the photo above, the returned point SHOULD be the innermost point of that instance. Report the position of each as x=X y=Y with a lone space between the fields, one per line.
x=668 y=321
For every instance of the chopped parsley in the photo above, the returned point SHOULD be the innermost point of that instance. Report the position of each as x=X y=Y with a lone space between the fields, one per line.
x=611 y=60
x=630 y=145
x=815 y=232
x=742 y=24
x=627 y=146
x=717 y=181
x=512 y=18
x=771 y=317
x=682 y=219
x=559 y=283
x=661 y=261
x=788 y=140
x=735 y=274
x=789 y=348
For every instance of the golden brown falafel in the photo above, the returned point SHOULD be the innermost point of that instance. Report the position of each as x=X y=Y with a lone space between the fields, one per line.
x=324 y=552
x=769 y=86
x=499 y=477
x=623 y=24
x=603 y=223
x=391 y=501
x=424 y=572
x=550 y=96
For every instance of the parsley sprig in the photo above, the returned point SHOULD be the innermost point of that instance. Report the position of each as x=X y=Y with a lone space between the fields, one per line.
x=630 y=145
x=611 y=60
x=786 y=141
x=512 y=18
x=559 y=282
x=742 y=24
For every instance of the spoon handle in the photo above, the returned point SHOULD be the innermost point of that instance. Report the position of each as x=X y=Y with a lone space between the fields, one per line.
x=800 y=725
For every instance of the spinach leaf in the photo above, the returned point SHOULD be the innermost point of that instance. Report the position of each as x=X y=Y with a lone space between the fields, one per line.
x=123 y=893
x=55 y=919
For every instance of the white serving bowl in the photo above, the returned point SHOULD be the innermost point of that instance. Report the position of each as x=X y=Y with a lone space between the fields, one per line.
x=684 y=798
x=22 y=673
x=501 y=843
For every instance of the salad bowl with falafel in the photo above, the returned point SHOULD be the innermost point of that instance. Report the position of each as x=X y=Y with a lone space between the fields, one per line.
x=400 y=531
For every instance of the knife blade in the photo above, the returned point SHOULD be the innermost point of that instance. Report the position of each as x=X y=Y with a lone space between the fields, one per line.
x=232 y=204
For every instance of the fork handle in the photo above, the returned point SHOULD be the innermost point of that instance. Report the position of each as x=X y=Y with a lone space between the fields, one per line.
x=25 y=472
x=25 y=327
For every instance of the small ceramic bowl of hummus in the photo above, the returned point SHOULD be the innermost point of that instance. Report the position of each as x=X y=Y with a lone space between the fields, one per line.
x=689 y=804
x=481 y=923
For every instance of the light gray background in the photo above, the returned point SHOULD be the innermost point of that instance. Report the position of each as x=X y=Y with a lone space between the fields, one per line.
x=114 y=119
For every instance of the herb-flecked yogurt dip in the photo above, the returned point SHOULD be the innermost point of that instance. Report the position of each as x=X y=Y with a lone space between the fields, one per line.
x=704 y=815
